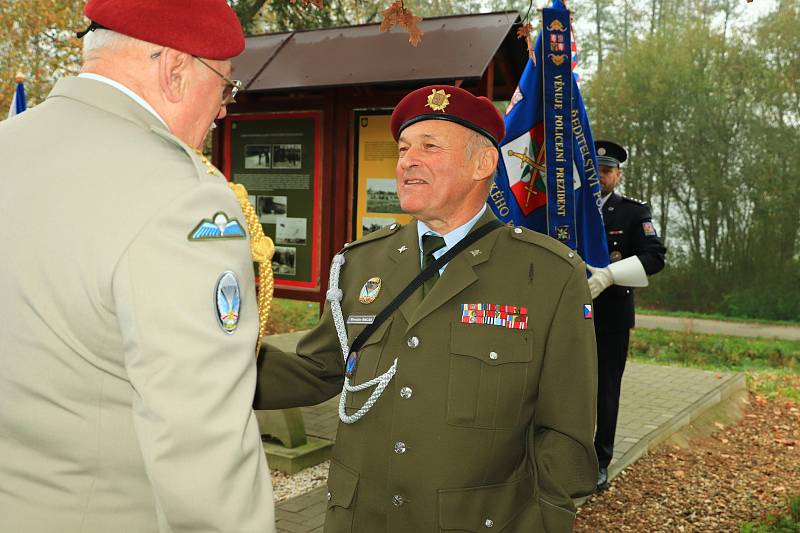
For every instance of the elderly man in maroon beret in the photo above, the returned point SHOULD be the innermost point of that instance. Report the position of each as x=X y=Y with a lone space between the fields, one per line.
x=462 y=349
x=129 y=319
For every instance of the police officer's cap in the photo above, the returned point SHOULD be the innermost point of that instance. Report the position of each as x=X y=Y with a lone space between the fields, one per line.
x=610 y=154
x=202 y=28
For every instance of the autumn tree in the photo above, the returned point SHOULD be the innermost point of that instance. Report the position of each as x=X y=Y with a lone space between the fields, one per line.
x=38 y=40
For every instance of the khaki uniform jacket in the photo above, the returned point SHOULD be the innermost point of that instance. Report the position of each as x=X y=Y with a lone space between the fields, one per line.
x=125 y=408
x=483 y=428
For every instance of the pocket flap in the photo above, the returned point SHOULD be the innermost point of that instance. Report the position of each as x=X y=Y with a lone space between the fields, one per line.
x=473 y=509
x=354 y=330
x=342 y=485
x=491 y=344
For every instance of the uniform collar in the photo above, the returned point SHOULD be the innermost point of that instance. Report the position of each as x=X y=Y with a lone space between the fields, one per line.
x=99 y=95
x=120 y=87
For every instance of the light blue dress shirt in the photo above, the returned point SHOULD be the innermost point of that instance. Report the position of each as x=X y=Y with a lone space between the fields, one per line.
x=450 y=240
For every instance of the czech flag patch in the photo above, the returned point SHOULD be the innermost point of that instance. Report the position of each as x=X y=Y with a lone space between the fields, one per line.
x=587 y=311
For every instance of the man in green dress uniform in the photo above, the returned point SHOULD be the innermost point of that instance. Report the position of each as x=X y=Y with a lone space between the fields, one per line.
x=472 y=406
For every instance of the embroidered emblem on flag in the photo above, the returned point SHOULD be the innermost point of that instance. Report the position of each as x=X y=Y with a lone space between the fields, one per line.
x=587 y=311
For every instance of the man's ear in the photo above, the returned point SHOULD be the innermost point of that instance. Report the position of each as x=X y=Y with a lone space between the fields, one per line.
x=173 y=74
x=487 y=163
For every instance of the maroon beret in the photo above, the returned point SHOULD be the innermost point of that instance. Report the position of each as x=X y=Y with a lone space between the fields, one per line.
x=447 y=102
x=203 y=28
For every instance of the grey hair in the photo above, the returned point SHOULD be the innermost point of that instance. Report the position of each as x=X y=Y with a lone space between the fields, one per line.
x=97 y=39
x=476 y=142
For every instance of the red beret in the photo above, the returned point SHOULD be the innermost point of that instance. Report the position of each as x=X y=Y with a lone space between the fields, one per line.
x=447 y=102
x=203 y=28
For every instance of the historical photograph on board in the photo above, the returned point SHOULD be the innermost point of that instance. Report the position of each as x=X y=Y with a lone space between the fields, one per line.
x=291 y=231
x=287 y=155
x=271 y=209
x=257 y=156
x=284 y=261
x=370 y=224
x=382 y=196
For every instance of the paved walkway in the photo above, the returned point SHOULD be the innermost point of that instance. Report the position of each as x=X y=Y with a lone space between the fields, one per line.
x=718 y=327
x=656 y=402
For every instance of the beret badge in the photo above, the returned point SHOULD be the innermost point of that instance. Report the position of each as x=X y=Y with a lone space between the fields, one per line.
x=438 y=100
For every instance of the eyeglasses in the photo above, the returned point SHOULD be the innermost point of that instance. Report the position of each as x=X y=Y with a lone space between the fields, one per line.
x=231 y=86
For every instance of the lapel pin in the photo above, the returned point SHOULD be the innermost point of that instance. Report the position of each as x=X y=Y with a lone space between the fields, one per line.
x=475 y=253
x=402 y=249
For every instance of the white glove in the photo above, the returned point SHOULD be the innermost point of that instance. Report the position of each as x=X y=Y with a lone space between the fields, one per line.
x=629 y=273
x=601 y=279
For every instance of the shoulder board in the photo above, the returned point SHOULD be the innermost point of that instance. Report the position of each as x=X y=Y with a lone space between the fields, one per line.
x=548 y=243
x=634 y=200
x=391 y=229
x=201 y=164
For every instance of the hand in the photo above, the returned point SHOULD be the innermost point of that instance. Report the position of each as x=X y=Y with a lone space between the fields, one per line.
x=601 y=279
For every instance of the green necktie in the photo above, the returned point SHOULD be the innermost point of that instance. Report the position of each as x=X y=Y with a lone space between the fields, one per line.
x=430 y=243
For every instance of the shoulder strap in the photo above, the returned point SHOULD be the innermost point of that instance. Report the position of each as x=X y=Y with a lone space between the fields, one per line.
x=420 y=279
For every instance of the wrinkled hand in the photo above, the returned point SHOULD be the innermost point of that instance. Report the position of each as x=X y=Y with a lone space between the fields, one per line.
x=601 y=279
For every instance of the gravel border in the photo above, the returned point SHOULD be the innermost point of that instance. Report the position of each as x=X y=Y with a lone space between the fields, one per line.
x=285 y=486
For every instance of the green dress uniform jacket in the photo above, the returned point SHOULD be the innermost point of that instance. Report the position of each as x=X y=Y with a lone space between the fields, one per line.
x=483 y=428
x=125 y=406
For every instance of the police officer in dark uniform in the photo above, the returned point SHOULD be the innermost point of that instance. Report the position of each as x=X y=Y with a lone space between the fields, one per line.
x=636 y=252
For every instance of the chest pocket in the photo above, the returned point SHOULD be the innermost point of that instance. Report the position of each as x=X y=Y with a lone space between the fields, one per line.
x=488 y=375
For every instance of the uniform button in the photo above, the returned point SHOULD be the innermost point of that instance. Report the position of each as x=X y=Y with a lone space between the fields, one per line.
x=398 y=500
x=405 y=393
x=412 y=342
x=399 y=447
x=393 y=226
x=571 y=255
x=517 y=230
x=492 y=355
x=328 y=496
x=488 y=523
x=615 y=243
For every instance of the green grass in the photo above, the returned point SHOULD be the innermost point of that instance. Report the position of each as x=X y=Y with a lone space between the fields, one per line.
x=287 y=316
x=715 y=316
x=787 y=521
x=772 y=366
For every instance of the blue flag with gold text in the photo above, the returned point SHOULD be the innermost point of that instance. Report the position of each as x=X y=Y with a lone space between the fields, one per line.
x=520 y=192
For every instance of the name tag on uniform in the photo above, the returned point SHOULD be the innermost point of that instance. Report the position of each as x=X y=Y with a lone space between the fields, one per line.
x=360 y=319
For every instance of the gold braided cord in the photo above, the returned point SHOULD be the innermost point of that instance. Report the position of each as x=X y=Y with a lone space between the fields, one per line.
x=261 y=249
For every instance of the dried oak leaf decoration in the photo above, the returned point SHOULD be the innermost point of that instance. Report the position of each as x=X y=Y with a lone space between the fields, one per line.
x=398 y=15
x=524 y=32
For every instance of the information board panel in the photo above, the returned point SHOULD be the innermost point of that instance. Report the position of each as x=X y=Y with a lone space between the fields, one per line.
x=277 y=157
x=375 y=200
